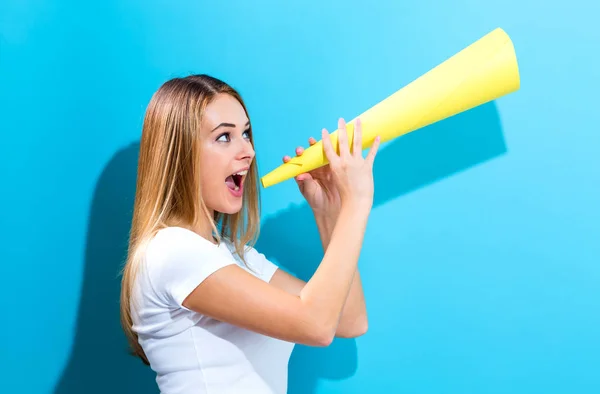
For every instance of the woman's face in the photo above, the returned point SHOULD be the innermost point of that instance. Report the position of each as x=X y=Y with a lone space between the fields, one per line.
x=226 y=154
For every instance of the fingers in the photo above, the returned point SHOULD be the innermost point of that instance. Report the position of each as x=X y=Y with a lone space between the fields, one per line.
x=343 y=139
x=299 y=152
x=373 y=151
x=303 y=177
x=357 y=141
x=344 y=149
x=328 y=148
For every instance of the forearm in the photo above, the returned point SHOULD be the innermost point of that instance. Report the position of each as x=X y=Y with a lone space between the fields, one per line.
x=353 y=320
x=326 y=293
x=325 y=224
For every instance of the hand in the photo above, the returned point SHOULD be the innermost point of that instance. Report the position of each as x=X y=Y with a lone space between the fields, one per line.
x=350 y=172
x=318 y=188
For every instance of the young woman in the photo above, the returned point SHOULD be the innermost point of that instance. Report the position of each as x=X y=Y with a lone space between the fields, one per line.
x=201 y=306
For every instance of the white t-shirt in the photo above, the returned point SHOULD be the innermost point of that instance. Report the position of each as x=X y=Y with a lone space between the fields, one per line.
x=190 y=352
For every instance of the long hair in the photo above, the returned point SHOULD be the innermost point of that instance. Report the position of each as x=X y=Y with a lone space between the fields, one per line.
x=168 y=187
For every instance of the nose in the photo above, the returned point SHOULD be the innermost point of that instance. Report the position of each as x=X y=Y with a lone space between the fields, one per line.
x=245 y=150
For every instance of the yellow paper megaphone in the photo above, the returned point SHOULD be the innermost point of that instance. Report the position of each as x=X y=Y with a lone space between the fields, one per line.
x=483 y=71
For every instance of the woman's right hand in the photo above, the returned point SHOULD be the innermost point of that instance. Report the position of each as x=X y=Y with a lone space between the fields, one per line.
x=352 y=173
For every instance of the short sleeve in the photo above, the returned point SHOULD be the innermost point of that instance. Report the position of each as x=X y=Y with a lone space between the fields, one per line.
x=265 y=268
x=178 y=260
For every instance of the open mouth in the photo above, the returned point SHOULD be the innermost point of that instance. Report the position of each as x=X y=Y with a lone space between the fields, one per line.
x=235 y=181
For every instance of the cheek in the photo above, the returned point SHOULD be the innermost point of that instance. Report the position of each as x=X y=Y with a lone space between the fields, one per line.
x=210 y=178
x=209 y=182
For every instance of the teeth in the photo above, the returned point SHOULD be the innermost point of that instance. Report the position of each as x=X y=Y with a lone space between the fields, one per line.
x=241 y=173
x=237 y=188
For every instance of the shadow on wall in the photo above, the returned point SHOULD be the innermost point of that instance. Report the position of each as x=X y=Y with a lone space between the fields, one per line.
x=99 y=362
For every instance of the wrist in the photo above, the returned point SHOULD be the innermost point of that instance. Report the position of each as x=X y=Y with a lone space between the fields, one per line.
x=325 y=224
x=325 y=221
x=326 y=216
x=362 y=206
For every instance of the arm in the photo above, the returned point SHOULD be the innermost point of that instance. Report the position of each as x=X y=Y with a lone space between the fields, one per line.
x=311 y=317
x=353 y=321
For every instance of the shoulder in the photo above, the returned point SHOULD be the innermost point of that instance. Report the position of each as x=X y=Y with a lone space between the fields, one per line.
x=179 y=250
x=177 y=260
x=173 y=241
x=171 y=235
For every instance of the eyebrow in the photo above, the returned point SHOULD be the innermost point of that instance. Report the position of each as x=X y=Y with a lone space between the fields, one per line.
x=228 y=125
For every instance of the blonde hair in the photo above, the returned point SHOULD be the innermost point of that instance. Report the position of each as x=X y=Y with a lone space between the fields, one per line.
x=168 y=188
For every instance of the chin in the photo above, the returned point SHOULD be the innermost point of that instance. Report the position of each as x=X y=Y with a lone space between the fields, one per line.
x=230 y=211
x=229 y=208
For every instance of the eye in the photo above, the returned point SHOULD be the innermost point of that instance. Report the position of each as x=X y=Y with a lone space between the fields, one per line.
x=247 y=134
x=224 y=135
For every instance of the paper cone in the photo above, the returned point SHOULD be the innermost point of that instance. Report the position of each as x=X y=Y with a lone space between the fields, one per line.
x=483 y=71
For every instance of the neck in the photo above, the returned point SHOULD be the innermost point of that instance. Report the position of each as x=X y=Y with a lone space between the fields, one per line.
x=203 y=227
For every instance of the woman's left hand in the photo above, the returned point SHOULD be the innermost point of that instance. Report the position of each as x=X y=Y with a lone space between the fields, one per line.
x=318 y=188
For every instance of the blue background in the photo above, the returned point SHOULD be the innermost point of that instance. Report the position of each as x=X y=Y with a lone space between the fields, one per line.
x=481 y=260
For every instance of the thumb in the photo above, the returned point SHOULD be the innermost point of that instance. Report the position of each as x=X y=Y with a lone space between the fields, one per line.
x=304 y=180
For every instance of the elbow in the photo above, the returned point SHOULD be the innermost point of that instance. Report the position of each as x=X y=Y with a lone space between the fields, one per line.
x=361 y=327
x=321 y=335
x=323 y=338
x=358 y=328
